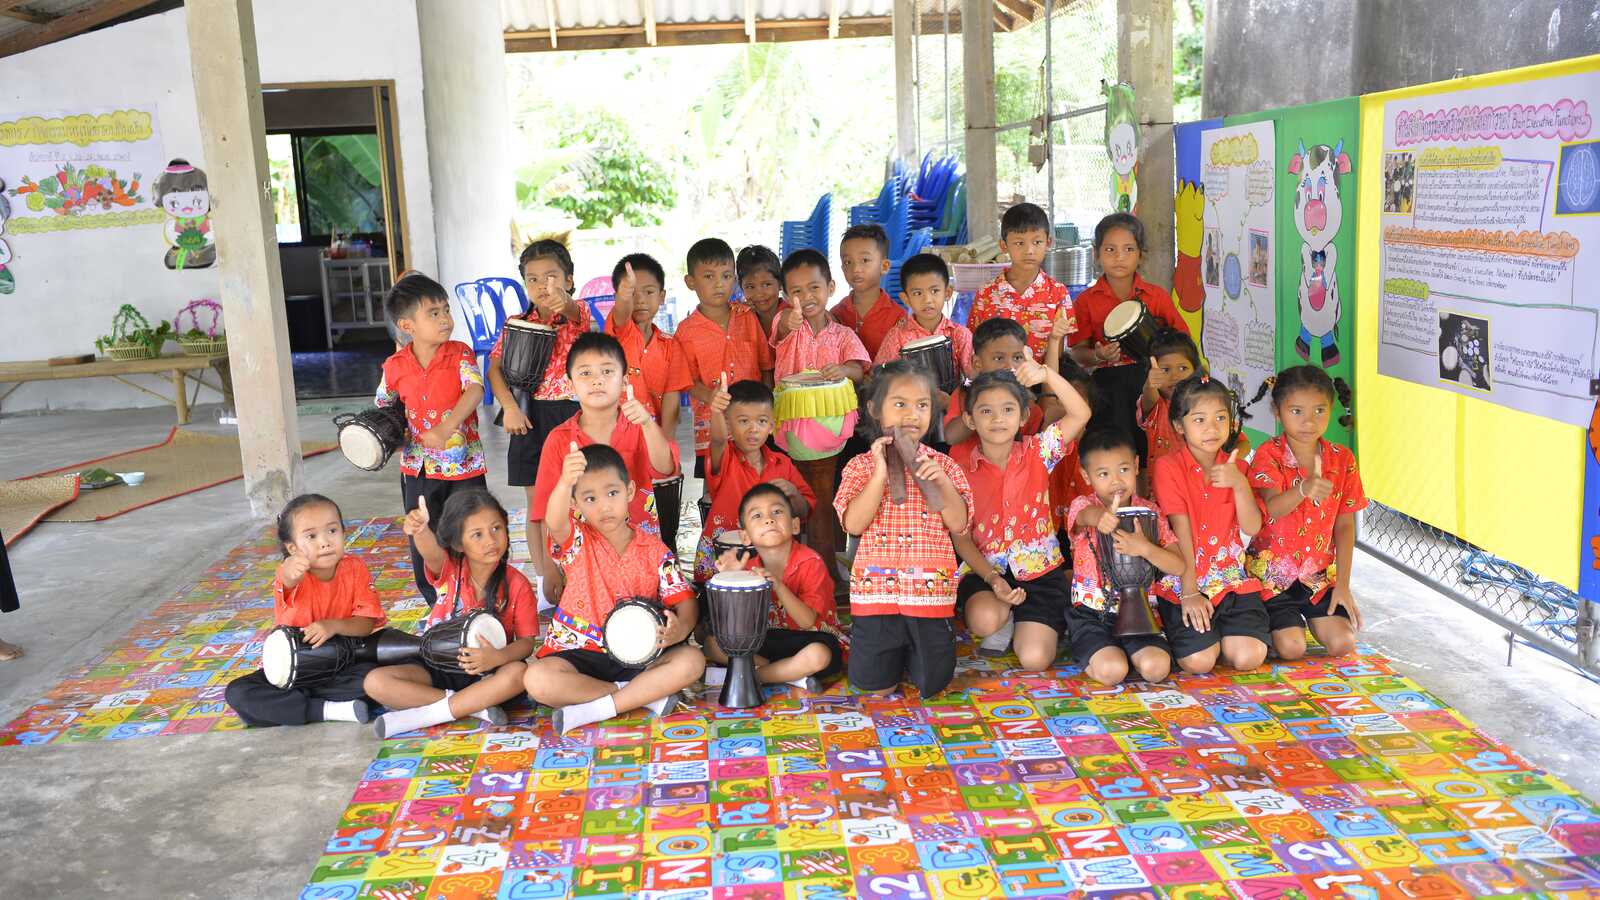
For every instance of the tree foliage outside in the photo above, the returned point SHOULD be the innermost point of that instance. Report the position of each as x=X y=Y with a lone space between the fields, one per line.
x=607 y=177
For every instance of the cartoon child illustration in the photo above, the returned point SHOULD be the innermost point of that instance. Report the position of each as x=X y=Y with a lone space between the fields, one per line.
x=1122 y=145
x=1318 y=213
x=181 y=191
x=8 y=282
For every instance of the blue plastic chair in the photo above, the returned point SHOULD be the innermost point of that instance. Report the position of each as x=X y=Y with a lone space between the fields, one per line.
x=917 y=241
x=810 y=232
x=484 y=305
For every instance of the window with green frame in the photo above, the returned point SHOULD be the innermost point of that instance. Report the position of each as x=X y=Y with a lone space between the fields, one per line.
x=326 y=181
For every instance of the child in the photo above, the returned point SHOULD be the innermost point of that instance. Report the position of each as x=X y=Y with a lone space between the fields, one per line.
x=1067 y=481
x=999 y=345
x=656 y=367
x=1023 y=293
x=474 y=573
x=1302 y=554
x=1206 y=496
x=761 y=281
x=1119 y=246
x=719 y=338
x=925 y=286
x=868 y=311
x=437 y=381
x=607 y=560
x=1013 y=559
x=547 y=269
x=802 y=645
x=608 y=413
x=1173 y=358
x=903 y=578
x=740 y=458
x=325 y=593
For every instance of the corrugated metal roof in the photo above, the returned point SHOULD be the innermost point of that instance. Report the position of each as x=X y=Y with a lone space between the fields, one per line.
x=534 y=15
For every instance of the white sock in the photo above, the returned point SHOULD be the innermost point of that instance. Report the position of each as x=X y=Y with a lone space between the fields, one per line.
x=494 y=715
x=715 y=676
x=578 y=715
x=345 y=711
x=664 y=705
x=401 y=720
x=620 y=684
x=804 y=682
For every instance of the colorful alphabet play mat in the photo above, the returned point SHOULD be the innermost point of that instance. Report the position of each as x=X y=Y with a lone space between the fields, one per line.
x=1323 y=778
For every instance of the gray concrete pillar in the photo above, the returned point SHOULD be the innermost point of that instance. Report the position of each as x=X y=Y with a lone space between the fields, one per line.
x=468 y=127
x=905 y=80
x=1144 y=60
x=227 y=86
x=977 y=86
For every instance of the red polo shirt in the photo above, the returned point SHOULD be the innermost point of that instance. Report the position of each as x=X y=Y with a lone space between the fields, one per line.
x=654 y=368
x=598 y=576
x=1183 y=490
x=727 y=486
x=457 y=596
x=628 y=440
x=875 y=325
x=1093 y=305
x=740 y=351
x=1012 y=522
x=1298 y=545
x=349 y=593
x=807 y=576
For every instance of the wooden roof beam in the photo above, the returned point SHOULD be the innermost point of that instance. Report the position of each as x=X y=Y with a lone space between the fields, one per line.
x=29 y=16
x=67 y=26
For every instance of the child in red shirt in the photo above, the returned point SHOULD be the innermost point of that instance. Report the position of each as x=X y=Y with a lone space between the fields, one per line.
x=1302 y=554
x=325 y=594
x=1023 y=293
x=438 y=383
x=474 y=573
x=1111 y=466
x=1204 y=491
x=903 y=578
x=999 y=345
x=607 y=560
x=802 y=645
x=1014 y=561
x=609 y=413
x=760 y=275
x=740 y=458
x=719 y=338
x=869 y=311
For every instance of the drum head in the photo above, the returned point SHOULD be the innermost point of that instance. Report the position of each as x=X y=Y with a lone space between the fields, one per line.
x=630 y=633
x=277 y=657
x=361 y=446
x=485 y=631
x=1122 y=317
x=737 y=581
x=525 y=325
x=733 y=537
x=808 y=379
x=925 y=343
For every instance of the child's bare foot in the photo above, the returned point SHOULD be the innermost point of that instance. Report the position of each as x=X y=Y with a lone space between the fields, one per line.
x=9 y=652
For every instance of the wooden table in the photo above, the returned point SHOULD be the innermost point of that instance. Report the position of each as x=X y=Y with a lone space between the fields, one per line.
x=181 y=368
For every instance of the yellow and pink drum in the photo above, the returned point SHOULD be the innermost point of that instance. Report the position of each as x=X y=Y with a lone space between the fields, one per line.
x=815 y=415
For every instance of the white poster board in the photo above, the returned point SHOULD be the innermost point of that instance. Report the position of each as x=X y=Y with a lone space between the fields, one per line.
x=1237 y=266
x=1491 y=219
x=81 y=169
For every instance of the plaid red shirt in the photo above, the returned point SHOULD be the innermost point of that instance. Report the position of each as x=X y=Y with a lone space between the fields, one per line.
x=598 y=577
x=350 y=593
x=804 y=348
x=1034 y=308
x=429 y=395
x=1093 y=305
x=457 y=596
x=907 y=330
x=1298 y=546
x=905 y=564
x=727 y=486
x=1088 y=588
x=741 y=351
x=879 y=319
x=654 y=368
x=555 y=385
x=1182 y=490
x=1012 y=525
x=628 y=440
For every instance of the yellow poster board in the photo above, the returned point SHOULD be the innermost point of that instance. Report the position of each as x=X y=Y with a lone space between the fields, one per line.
x=1507 y=481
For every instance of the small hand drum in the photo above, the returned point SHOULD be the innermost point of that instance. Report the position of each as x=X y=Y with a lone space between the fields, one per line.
x=1130 y=324
x=629 y=634
x=739 y=602
x=442 y=643
x=289 y=662
x=1129 y=577
x=525 y=353
x=934 y=353
x=368 y=438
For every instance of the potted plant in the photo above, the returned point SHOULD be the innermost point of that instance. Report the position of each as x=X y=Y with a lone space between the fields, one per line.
x=197 y=341
x=132 y=337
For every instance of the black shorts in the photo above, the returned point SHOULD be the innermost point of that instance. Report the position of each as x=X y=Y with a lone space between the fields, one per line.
x=1293 y=608
x=1091 y=632
x=600 y=666
x=522 y=453
x=450 y=681
x=782 y=643
x=1046 y=597
x=886 y=649
x=1238 y=615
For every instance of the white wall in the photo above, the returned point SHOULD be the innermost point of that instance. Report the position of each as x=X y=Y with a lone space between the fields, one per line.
x=69 y=284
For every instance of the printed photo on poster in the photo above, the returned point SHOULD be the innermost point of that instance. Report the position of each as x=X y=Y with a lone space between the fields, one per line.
x=1258 y=258
x=1213 y=257
x=1399 y=179
x=1464 y=350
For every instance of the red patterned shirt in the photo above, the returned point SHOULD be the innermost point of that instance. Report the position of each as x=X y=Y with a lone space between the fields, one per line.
x=805 y=348
x=1183 y=490
x=907 y=330
x=654 y=368
x=875 y=325
x=1034 y=308
x=349 y=593
x=1012 y=525
x=1093 y=305
x=457 y=596
x=555 y=385
x=740 y=351
x=598 y=576
x=727 y=486
x=1298 y=546
x=429 y=394
x=1088 y=587
x=905 y=564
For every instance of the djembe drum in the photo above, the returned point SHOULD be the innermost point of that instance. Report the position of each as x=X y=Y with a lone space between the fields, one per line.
x=936 y=354
x=1129 y=577
x=442 y=644
x=629 y=634
x=368 y=438
x=1130 y=324
x=815 y=415
x=525 y=353
x=289 y=662
x=739 y=602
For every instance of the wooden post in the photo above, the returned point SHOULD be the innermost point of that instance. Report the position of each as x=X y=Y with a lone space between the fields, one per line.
x=1144 y=60
x=905 y=81
x=227 y=86
x=977 y=52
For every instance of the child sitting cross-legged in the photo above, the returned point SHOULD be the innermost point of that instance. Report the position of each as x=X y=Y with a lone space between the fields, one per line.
x=802 y=644
x=607 y=560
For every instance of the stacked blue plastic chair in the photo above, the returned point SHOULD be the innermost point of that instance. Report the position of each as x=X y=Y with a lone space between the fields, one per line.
x=952 y=227
x=916 y=241
x=932 y=189
x=811 y=232
x=486 y=304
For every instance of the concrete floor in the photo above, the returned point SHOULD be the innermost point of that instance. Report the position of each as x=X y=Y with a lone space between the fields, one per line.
x=231 y=815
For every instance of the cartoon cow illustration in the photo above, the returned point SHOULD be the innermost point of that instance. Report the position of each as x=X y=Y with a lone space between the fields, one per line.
x=1318 y=212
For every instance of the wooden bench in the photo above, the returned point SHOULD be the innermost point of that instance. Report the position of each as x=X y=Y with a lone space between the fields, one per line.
x=181 y=368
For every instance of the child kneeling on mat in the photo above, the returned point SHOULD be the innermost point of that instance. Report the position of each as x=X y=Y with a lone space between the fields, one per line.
x=475 y=573
x=606 y=560
x=802 y=645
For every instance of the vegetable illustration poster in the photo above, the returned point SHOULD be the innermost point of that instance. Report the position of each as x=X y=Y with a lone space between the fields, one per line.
x=73 y=170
